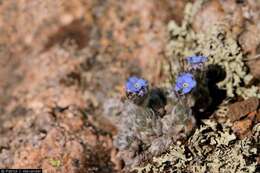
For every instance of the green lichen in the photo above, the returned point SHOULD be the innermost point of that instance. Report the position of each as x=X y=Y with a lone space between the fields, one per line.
x=218 y=44
x=210 y=149
x=223 y=50
x=55 y=162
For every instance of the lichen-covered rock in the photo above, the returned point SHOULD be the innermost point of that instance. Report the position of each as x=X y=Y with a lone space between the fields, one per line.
x=218 y=44
x=210 y=150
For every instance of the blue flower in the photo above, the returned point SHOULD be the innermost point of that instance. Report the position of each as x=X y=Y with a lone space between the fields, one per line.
x=185 y=83
x=196 y=59
x=135 y=85
x=196 y=62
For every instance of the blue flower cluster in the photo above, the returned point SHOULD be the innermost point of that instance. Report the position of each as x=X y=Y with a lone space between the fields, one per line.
x=184 y=84
x=155 y=113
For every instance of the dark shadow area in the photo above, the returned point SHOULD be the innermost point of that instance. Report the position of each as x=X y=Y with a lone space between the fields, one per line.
x=157 y=101
x=214 y=74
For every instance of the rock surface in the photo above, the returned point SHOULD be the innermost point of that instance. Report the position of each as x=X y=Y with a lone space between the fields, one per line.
x=60 y=60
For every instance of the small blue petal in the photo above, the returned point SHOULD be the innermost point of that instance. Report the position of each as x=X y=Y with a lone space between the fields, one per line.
x=193 y=84
x=196 y=59
x=177 y=88
x=186 y=90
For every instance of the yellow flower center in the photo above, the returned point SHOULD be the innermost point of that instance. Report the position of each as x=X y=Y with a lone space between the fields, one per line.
x=185 y=85
x=137 y=85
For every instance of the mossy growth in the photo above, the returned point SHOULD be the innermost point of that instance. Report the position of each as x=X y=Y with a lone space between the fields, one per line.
x=218 y=44
x=212 y=148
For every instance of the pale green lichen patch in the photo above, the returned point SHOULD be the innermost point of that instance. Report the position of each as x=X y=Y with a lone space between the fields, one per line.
x=55 y=162
x=224 y=51
x=212 y=148
x=218 y=44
